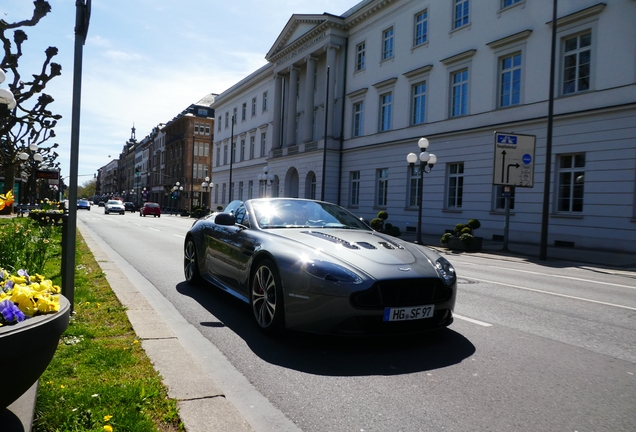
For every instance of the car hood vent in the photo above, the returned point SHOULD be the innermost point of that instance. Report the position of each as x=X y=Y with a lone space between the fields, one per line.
x=332 y=239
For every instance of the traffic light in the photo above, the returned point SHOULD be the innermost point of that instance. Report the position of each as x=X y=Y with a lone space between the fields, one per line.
x=136 y=170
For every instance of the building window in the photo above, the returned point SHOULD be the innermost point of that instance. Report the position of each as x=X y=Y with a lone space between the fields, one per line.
x=243 y=111
x=263 y=139
x=576 y=63
x=358 y=115
x=500 y=199
x=455 y=185
x=250 y=189
x=207 y=129
x=387 y=44
x=242 y=154
x=354 y=188
x=461 y=13
x=253 y=107
x=264 y=101
x=419 y=103
x=382 y=192
x=571 y=182
x=196 y=128
x=227 y=119
x=252 y=138
x=506 y=3
x=240 y=191
x=421 y=28
x=223 y=194
x=386 y=106
x=225 y=155
x=415 y=187
x=510 y=86
x=360 y=56
x=312 y=187
x=459 y=97
x=218 y=156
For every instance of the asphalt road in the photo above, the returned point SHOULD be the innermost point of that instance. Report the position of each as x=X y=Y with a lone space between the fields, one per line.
x=533 y=347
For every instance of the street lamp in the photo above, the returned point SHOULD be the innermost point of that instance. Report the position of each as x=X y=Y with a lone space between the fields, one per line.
x=207 y=184
x=36 y=158
x=176 y=189
x=427 y=160
x=265 y=179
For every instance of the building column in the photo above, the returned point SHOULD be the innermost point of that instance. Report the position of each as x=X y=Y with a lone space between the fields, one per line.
x=292 y=102
x=278 y=112
x=331 y=63
x=308 y=120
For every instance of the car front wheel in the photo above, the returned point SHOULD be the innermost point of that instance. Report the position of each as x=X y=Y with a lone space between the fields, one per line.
x=266 y=298
x=190 y=264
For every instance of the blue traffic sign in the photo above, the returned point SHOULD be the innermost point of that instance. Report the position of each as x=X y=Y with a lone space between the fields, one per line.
x=507 y=139
x=526 y=158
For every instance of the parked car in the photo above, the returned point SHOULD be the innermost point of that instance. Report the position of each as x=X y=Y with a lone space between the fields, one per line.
x=130 y=206
x=83 y=205
x=114 y=206
x=150 y=208
x=314 y=266
x=101 y=204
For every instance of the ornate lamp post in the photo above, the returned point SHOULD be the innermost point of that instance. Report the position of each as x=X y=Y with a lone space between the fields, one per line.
x=36 y=158
x=265 y=179
x=205 y=185
x=177 y=189
x=427 y=160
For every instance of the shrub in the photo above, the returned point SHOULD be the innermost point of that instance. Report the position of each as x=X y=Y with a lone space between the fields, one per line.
x=378 y=224
x=444 y=239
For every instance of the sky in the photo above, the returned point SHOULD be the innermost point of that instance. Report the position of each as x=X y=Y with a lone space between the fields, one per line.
x=145 y=61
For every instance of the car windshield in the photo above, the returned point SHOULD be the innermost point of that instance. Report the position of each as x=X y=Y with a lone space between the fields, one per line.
x=113 y=202
x=294 y=213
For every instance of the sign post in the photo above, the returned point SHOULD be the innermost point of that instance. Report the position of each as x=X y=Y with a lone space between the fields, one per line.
x=513 y=166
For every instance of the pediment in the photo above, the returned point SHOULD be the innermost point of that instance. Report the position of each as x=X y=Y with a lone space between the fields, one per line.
x=301 y=29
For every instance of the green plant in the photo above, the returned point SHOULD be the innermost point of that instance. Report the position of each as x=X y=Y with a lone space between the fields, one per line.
x=467 y=238
x=445 y=237
x=378 y=224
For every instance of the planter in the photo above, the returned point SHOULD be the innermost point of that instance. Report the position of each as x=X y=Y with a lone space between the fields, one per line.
x=27 y=349
x=455 y=243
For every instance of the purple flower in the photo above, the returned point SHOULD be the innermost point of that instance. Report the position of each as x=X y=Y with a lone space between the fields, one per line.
x=10 y=312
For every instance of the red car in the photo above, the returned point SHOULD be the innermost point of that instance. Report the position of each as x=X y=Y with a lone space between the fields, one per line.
x=150 y=209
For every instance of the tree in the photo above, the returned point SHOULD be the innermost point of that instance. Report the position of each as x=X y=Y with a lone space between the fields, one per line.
x=30 y=122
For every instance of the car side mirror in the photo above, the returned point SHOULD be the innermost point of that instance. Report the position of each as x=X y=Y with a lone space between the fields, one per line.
x=225 y=219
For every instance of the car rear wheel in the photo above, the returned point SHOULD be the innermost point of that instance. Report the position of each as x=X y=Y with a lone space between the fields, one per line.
x=190 y=264
x=266 y=298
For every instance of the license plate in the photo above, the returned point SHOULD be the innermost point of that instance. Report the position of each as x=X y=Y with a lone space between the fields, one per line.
x=408 y=313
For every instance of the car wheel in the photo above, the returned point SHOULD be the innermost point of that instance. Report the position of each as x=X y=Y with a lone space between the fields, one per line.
x=266 y=298
x=190 y=264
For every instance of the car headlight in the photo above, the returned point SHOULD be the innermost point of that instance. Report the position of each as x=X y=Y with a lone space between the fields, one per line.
x=331 y=272
x=446 y=271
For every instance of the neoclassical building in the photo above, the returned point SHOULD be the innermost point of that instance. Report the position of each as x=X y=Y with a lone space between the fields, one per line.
x=343 y=99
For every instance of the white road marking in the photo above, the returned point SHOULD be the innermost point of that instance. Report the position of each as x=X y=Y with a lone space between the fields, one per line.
x=154 y=229
x=554 y=294
x=177 y=235
x=474 y=321
x=558 y=276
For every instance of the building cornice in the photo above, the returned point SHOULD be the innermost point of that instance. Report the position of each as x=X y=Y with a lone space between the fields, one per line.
x=509 y=40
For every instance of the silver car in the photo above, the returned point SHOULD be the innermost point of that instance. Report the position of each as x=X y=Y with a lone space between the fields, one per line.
x=314 y=266
x=114 y=206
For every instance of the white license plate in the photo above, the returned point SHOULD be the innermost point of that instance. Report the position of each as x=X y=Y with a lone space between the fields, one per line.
x=408 y=313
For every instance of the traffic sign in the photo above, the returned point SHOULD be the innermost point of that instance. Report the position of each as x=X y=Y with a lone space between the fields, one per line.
x=514 y=160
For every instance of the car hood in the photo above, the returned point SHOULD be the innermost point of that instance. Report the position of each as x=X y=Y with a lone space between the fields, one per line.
x=368 y=251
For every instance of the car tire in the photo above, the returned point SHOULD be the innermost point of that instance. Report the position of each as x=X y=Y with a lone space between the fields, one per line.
x=266 y=298
x=190 y=263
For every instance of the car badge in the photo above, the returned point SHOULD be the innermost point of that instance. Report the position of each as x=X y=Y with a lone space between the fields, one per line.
x=404 y=269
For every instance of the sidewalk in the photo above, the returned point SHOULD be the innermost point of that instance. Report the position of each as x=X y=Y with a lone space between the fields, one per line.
x=201 y=403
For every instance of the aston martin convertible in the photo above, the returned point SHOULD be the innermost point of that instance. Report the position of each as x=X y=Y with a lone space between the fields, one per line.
x=314 y=266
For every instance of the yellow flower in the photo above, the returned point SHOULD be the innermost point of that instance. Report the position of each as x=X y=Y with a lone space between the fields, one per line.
x=108 y=428
x=107 y=417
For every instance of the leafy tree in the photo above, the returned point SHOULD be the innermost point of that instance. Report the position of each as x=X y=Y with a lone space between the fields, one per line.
x=31 y=121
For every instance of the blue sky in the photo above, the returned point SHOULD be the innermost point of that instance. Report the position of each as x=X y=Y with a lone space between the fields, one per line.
x=147 y=60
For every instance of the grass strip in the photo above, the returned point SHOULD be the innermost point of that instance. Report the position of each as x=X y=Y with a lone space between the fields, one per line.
x=100 y=378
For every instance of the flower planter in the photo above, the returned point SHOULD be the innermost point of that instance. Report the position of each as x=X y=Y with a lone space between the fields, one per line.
x=27 y=349
x=455 y=243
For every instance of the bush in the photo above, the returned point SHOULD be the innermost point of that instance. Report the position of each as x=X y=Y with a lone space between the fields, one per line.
x=444 y=239
x=378 y=224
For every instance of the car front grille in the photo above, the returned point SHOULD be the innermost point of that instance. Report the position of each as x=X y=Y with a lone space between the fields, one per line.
x=401 y=292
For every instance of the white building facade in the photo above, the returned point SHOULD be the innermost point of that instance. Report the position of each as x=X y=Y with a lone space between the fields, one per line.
x=455 y=72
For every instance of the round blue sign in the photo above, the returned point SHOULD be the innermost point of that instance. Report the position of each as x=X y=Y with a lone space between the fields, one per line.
x=527 y=158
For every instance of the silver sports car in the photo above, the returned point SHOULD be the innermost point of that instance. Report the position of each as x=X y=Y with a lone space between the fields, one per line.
x=314 y=266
